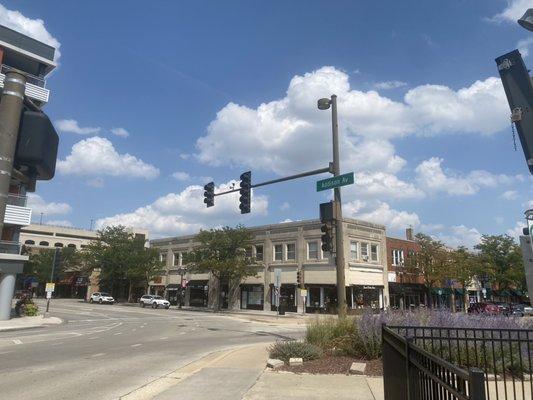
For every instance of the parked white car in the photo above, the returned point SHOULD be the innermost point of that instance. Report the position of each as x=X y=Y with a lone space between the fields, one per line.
x=154 y=301
x=101 y=297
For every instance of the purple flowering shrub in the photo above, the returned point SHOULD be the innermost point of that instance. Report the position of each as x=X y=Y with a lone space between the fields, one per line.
x=488 y=342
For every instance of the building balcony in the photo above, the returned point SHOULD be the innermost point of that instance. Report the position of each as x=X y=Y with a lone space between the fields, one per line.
x=35 y=89
x=16 y=211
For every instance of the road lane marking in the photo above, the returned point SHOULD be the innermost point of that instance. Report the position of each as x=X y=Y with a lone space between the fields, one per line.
x=98 y=355
x=163 y=338
x=136 y=345
x=142 y=326
x=118 y=333
x=17 y=341
x=183 y=333
x=94 y=337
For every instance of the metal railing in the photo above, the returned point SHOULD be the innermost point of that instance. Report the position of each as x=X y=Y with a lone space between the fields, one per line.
x=16 y=200
x=9 y=247
x=504 y=355
x=34 y=80
x=412 y=373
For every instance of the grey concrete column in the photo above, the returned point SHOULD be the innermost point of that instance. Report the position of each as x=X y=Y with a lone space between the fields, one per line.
x=10 y=109
x=7 y=289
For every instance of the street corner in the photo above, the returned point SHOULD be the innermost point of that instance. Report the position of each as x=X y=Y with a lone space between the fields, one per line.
x=22 y=323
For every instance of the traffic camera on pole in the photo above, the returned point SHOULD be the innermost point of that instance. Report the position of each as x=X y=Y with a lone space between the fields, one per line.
x=245 y=192
x=209 y=194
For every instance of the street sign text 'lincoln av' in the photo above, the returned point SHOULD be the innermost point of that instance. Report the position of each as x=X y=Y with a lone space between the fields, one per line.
x=336 y=181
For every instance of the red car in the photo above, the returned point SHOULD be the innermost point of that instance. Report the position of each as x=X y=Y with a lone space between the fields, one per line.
x=484 y=308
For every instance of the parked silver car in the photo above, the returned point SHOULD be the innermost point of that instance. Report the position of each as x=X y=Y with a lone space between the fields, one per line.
x=154 y=301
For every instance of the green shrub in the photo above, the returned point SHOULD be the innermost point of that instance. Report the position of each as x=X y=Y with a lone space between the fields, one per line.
x=31 y=309
x=283 y=350
x=333 y=335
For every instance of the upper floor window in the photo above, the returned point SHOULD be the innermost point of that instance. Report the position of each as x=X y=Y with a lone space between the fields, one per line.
x=29 y=242
x=248 y=252
x=58 y=244
x=278 y=252
x=312 y=250
x=397 y=257
x=353 y=251
x=259 y=252
x=163 y=257
x=374 y=252
x=291 y=251
x=364 y=251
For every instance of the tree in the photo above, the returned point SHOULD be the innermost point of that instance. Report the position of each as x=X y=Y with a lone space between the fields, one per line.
x=222 y=253
x=123 y=260
x=431 y=261
x=502 y=261
x=464 y=267
x=40 y=263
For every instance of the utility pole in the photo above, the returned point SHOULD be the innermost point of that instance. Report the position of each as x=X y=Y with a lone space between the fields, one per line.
x=10 y=111
x=339 y=226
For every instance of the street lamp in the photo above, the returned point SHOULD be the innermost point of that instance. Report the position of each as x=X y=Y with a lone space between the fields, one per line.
x=325 y=104
x=527 y=20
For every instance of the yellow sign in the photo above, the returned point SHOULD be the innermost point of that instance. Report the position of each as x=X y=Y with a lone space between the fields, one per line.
x=50 y=286
x=303 y=292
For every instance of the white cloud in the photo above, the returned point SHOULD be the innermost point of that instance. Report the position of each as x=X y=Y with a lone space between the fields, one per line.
x=291 y=134
x=390 y=85
x=72 y=126
x=434 y=179
x=460 y=235
x=514 y=10
x=97 y=156
x=95 y=182
x=33 y=28
x=59 y=222
x=121 y=132
x=184 y=156
x=185 y=212
x=528 y=205
x=285 y=206
x=39 y=205
x=517 y=230
x=381 y=213
x=523 y=46
x=181 y=176
x=509 y=195
x=382 y=185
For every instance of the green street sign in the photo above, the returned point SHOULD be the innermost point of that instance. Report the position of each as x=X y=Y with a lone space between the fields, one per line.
x=336 y=181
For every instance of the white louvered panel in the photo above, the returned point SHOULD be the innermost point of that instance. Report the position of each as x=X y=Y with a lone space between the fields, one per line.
x=16 y=215
x=33 y=91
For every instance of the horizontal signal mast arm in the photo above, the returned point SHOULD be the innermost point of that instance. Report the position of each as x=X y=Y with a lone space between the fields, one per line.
x=287 y=178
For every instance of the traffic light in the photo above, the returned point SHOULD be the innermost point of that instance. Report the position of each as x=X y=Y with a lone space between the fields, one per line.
x=326 y=238
x=300 y=278
x=209 y=194
x=246 y=192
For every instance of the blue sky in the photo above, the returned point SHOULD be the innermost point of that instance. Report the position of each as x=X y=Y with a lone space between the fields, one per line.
x=152 y=99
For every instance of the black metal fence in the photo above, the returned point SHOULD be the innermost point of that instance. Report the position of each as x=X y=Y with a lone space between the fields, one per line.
x=504 y=355
x=411 y=373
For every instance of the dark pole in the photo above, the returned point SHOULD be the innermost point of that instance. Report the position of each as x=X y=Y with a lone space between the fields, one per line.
x=339 y=228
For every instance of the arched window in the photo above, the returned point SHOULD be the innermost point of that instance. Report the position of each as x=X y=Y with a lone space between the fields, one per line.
x=58 y=244
x=44 y=244
x=29 y=242
x=72 y=245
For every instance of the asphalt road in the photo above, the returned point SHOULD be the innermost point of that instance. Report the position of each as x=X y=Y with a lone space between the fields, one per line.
x=107 y=351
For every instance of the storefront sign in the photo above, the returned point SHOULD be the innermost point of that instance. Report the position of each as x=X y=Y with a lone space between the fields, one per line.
x=50 y=287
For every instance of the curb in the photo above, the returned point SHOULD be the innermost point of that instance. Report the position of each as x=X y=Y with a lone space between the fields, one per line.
x=24 y=328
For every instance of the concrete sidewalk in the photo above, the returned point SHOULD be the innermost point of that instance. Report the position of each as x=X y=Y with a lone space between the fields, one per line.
x=240 y=374
x=20 y=323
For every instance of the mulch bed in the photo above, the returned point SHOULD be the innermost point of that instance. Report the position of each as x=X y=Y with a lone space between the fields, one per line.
x=335 y=365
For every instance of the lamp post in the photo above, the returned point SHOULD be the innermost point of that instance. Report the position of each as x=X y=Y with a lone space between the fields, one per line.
x=325 y=104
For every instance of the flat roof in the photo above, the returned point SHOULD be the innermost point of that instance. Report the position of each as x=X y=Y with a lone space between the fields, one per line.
x=27 y=43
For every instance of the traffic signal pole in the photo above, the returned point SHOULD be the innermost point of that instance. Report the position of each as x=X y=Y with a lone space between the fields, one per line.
x=339 y=226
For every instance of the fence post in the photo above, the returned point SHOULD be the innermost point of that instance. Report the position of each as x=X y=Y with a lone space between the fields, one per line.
x=408 y=342
x=477 y=384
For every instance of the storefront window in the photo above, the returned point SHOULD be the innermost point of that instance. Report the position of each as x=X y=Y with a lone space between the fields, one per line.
x=312 y=250
x=353 y=251
x=291 y=251
x=278 y=252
